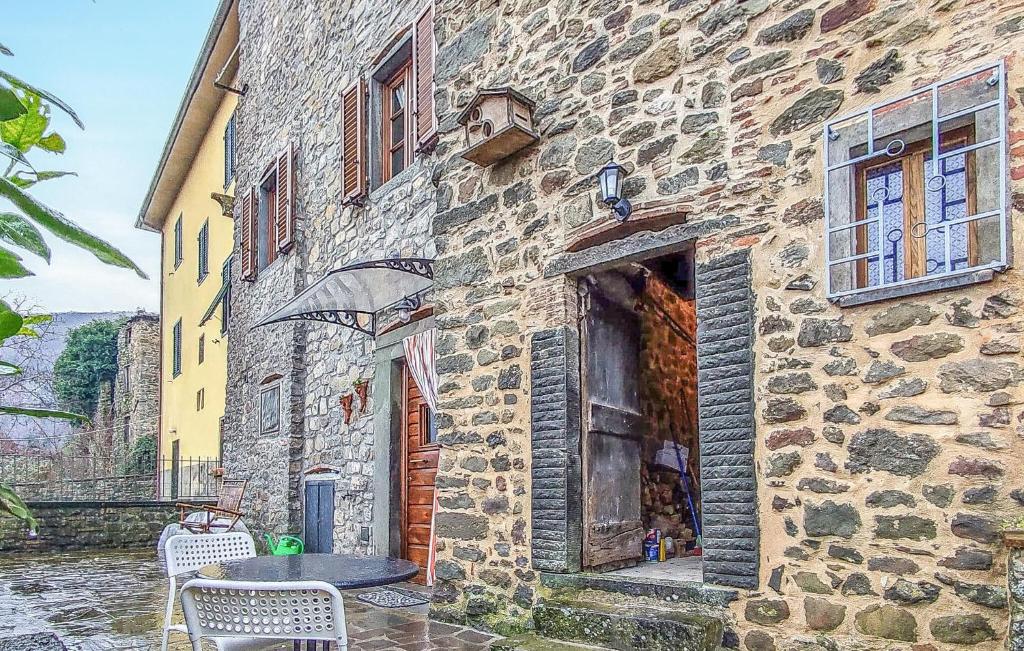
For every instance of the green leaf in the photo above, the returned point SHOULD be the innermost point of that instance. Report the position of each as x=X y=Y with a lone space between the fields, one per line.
x=20 y=232
x=24 y=132
x=10 y=265
x=50 y=97
x=6 y=368
x=43 y=413
x=10 y=321
x=65 y=229
x=52 y=142
x=10 y=106
x=37 y=319
x=14 y=153
x=20 y=178
x=13 y=505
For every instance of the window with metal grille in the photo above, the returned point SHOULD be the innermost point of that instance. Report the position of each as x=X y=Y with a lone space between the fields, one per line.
x=176 y=349
x=204 y=251
x=178 y=250
x=915 y=194
x=229 y=151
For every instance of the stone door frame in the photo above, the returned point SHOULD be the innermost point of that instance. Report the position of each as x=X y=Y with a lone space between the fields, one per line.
x=725 y=359
x=387 y=426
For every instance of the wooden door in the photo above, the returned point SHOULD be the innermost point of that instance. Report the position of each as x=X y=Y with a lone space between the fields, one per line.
x=419 y=467
x=318 y=534
x=613 y=429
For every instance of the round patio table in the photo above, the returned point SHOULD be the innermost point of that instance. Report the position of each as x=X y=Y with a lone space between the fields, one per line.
x=343 y=571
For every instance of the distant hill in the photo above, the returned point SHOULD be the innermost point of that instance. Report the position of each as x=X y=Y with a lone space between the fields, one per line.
x=34 y=389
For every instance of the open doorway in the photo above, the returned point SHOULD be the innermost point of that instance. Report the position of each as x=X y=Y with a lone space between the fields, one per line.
x=640 y=447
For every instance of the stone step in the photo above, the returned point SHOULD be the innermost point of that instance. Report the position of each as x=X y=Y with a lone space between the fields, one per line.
x=534 y=642
x=627 y=627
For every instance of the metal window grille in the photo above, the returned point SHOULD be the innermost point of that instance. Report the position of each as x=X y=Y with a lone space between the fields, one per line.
x=916 y=187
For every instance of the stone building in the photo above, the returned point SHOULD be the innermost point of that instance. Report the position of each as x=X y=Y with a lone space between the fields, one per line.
x=136 y=394
x=824 y=205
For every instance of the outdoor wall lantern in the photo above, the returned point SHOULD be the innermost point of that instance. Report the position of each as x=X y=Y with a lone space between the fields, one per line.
x=610 y=177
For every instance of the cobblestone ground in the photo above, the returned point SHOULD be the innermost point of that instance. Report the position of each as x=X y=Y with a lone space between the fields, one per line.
x=114 y=600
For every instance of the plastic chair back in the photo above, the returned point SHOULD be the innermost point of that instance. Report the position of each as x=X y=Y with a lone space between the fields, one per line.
x=189 y=552
x=293 y=610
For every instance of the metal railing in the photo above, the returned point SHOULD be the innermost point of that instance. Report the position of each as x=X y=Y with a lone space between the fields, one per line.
x=38 y=476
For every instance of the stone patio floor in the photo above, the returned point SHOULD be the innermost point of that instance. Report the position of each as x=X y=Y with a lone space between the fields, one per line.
x=114 y=600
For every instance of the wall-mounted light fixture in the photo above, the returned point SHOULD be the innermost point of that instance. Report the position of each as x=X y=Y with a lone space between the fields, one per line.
x=610 y=177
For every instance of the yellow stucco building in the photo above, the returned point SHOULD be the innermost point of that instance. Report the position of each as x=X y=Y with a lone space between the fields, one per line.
x=189 y=204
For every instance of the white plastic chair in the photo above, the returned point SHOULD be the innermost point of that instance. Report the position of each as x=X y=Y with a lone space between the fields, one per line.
x=255 y=615
x=189 y=552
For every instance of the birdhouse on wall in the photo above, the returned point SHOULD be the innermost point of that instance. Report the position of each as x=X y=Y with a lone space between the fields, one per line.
x=498 y=122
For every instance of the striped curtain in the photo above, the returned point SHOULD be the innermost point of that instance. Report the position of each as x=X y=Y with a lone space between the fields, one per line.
x=419 y=357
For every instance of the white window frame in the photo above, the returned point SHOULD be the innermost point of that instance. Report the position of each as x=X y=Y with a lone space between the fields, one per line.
x=950 y=277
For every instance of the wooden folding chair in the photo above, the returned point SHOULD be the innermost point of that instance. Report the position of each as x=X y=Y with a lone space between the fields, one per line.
x=215 y=519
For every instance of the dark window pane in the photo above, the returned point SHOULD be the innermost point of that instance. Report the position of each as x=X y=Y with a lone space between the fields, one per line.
x=397 y=131
x=397 y=161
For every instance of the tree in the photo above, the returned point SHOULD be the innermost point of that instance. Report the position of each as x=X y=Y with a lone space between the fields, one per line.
x=24 y=120
x=89 y=358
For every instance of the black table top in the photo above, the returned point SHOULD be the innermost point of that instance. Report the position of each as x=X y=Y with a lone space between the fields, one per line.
x=343 y=571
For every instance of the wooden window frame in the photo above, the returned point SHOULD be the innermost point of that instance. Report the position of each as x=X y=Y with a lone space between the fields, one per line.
x=912 y=162
x=401 y=76
x=269 y=186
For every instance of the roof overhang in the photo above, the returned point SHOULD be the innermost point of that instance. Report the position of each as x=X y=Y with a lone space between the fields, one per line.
x=353 y=295
x=218 y=60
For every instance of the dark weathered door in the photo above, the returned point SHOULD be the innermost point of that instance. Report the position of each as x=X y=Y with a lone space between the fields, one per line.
x=318 y=535
x=612 y=431
x=419 y=468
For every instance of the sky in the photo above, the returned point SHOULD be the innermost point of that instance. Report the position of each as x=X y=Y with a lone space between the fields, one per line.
x=122 y=65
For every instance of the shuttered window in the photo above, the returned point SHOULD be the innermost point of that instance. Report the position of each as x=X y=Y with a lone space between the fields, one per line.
x=204 y=251
x=423 y=55
x=396 y=125
x=176 y=349
x=248 y=243
x=285 y=210
x=353 y=143
x=225 y=304
x=178 y=252
x=229 y=151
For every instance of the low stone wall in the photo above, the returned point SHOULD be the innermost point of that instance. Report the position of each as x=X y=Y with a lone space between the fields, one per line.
x=89 y=525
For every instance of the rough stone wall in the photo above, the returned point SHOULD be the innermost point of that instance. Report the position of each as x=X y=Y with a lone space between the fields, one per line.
x=296 y=67
x=138 y=357
x=89 y=525
x=887 y=434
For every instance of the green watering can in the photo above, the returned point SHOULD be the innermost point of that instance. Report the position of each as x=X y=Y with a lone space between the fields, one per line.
x=285 y=545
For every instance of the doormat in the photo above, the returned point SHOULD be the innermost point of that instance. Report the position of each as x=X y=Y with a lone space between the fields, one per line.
x=391 y=598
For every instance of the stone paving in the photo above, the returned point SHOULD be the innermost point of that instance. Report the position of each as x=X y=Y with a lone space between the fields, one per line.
x=114 y=600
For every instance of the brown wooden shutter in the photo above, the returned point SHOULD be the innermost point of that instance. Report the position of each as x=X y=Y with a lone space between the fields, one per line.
x=353 y=143
x=423 y=71
x=285 y=200
x=248 y=244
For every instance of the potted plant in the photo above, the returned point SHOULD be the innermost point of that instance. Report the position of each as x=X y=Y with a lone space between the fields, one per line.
x=1013 y=532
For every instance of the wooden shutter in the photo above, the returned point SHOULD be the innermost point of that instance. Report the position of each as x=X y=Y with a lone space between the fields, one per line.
x=423 y=79
x=353 y=143
x=285 y=201
x=248 y=241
